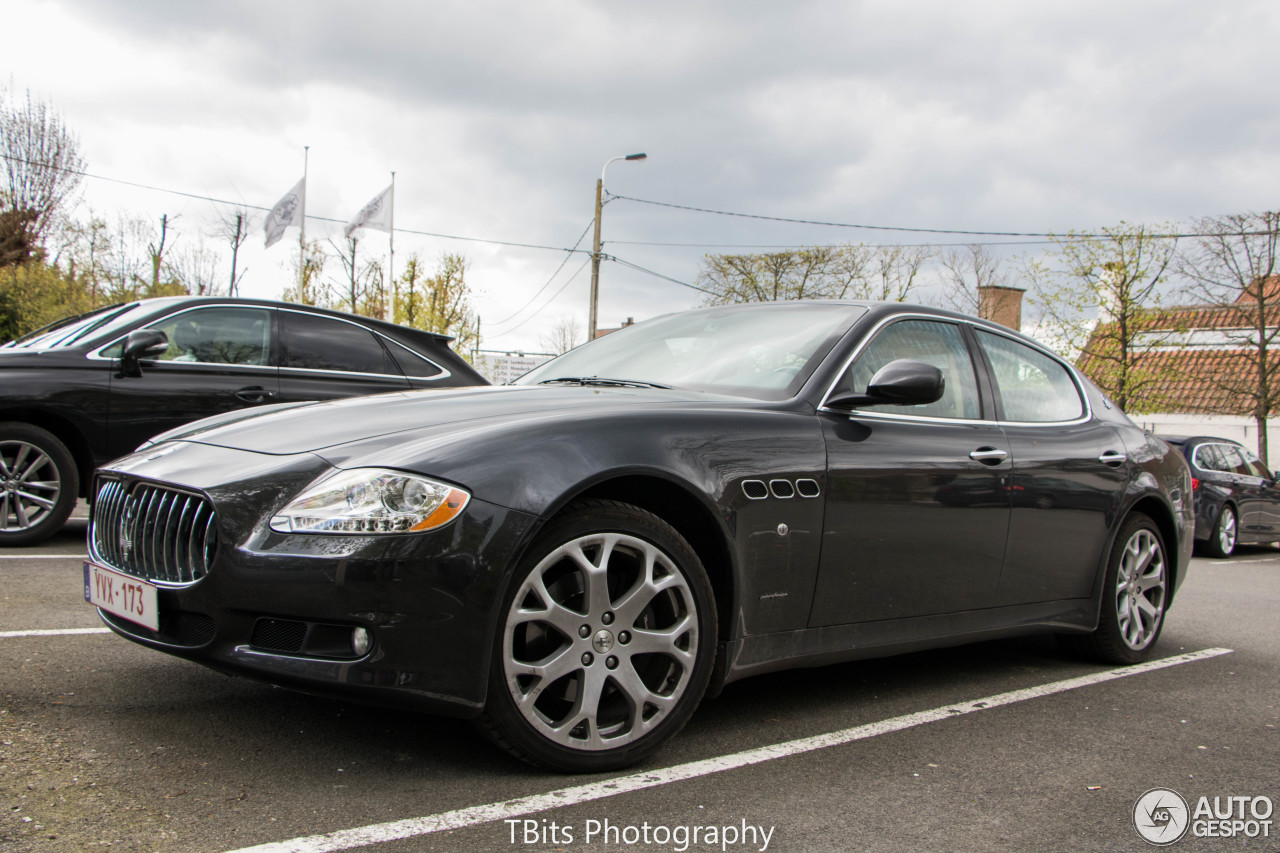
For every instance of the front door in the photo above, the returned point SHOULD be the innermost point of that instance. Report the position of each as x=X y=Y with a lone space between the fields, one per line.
x=917 y=498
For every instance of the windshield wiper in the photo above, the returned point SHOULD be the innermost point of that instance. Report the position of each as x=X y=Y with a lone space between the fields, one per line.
x=602 y=380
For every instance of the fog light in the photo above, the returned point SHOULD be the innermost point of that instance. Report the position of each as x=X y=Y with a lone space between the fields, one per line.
x=360 y=641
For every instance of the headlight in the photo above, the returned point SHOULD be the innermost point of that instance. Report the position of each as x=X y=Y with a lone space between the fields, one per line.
x=371 y=500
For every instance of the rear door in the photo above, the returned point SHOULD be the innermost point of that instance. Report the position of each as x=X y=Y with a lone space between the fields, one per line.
x=1069 y=475
x=327 y=357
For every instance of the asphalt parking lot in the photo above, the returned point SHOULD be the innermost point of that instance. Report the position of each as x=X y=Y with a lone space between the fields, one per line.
x=1009 y=745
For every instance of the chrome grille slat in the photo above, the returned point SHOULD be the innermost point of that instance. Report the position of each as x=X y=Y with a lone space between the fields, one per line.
x=153 y=532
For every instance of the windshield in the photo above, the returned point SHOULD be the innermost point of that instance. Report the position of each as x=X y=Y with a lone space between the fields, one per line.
x=761 y=351
x=72 y=330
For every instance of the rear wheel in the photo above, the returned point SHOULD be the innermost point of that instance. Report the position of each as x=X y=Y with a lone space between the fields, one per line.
x=605 y=641
x=1134 y=597
x=38 y=484
x=1226 y=531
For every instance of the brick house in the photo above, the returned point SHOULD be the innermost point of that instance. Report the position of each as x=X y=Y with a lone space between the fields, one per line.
x=1198 y=367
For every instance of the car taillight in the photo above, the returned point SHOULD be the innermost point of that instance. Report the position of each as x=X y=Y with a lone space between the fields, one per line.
x=1195 y=483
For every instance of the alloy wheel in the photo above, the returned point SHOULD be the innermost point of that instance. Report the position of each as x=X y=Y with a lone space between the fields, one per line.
x=29 y=486
x=600 y=641
x=1140 y=589
x=1227 y=530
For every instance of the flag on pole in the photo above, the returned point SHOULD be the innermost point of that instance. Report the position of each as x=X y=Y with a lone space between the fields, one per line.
x=288 y=211
x=375 y=214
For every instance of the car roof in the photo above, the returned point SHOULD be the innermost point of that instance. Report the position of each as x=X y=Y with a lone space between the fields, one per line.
x=163 y=303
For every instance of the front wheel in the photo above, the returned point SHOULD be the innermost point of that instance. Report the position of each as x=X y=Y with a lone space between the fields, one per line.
x=1134 y=597
x=38 y=484
x=605 y=641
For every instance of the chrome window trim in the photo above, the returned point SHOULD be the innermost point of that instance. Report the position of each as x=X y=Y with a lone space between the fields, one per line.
x=931 y=419
x=444 y=372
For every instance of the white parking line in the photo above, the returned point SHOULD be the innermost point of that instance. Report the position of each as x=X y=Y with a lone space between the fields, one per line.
x=347 y=839
x=60 y=632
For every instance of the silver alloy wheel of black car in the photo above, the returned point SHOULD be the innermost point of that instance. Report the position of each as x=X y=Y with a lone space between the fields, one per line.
x=1140 y=585
x=1136 y=590
x=38 y=484
x=606 y=643
x=1222 y=542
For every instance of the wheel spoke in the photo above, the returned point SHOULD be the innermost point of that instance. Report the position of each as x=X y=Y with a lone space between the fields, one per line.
x=595 y=576
x=644 y=641
x=40 y=461
x=36 y=499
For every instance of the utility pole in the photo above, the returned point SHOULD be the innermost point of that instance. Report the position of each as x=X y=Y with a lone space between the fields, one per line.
x=595 y=246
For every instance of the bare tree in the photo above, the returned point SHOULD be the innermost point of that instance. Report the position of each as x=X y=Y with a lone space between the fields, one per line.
x=894 y=272
x=820 y=272
x=1234 y=267
x=195 y=268
x=42 y=165
x=965 y=271
x=233 y=227
x=352 y=284
x=155 y=252
x=564 y=335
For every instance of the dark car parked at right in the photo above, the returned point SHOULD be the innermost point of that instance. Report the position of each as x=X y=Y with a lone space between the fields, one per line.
x=91 y=388
x=1237 y=500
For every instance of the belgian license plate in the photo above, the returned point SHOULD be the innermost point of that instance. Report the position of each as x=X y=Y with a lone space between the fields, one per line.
x=123 y=596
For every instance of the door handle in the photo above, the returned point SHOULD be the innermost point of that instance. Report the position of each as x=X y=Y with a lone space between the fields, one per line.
x=989 y=455
x=1112 y=458
x=256 y=394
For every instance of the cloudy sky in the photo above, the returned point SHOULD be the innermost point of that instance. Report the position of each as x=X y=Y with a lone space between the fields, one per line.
x=498 y=116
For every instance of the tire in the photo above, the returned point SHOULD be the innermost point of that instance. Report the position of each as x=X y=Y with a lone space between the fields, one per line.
x=605 y=641
x=38 y=484
x=1226 y=531
x=1134 y=597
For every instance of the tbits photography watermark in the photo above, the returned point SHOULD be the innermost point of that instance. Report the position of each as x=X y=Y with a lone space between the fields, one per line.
x=1162 y=816
x=677 y=838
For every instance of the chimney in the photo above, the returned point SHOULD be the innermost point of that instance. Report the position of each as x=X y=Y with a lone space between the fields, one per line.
x=1001 y=304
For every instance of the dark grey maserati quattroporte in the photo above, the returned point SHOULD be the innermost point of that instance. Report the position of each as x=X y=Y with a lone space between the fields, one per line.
x=577 y=559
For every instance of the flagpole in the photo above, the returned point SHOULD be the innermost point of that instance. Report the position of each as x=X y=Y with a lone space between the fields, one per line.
x=302 y=228
x=391 y=264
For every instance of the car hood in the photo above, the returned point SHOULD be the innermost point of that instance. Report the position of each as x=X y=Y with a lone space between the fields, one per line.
x=411 y=415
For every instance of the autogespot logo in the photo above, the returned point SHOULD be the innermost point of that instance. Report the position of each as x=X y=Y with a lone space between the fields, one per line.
x=1161 y=816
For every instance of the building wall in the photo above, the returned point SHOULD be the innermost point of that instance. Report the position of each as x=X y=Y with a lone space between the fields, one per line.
x=1243 y=430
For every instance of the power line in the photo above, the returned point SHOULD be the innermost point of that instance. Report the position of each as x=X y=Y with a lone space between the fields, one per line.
x=214 y=200
x=1049 y=235
x=648 y=271
x=567 y=282
x=568 y=255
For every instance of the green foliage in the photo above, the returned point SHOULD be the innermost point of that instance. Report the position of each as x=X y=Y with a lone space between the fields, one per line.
x=1100 y=298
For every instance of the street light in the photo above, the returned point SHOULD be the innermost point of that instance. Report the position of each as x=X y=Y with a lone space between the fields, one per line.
x=595 y=249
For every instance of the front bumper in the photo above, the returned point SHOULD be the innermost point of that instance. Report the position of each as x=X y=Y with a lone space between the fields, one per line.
x=281 y=608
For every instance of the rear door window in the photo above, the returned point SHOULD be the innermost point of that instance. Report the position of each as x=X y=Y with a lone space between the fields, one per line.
x=326 y=343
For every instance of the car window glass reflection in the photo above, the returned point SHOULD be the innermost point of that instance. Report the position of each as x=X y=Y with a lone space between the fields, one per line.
x=1033 y=387
x=218 y=336
x=939 y=344
x=322 y=343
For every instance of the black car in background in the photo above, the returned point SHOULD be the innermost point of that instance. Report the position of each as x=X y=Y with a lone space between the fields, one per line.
x=90 y=388
x=576 y=559
x=1237 y=500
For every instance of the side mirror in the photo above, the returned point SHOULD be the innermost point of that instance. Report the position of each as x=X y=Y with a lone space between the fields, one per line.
x=140 y=344
x=903 y=382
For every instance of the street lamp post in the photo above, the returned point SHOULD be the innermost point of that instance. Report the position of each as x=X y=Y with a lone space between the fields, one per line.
x=595 y=248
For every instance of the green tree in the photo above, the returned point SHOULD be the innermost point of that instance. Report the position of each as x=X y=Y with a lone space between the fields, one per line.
x=439 y=303
x=1233 y=267
x=1100 y=298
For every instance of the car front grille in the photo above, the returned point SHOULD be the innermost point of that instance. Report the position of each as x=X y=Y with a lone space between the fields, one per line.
x=153 y=532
